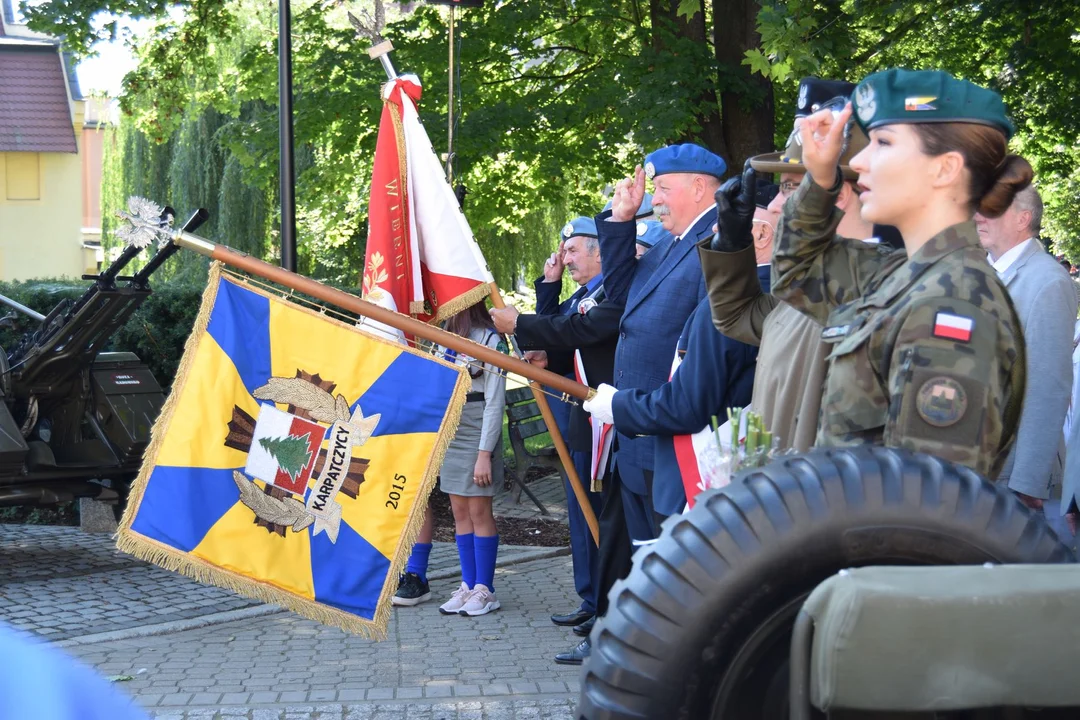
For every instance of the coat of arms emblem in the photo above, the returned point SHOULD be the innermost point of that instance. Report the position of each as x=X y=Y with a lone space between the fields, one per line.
x=285 y=451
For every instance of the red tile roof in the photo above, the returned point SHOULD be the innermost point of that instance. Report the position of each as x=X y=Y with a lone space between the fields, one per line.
x=34 y=111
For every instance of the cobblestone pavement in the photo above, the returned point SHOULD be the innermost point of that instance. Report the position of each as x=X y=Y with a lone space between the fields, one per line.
x=283 y=660
x=63 y=584
x=546 y=709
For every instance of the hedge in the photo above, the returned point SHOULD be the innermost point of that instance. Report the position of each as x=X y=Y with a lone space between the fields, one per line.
x=156 y=332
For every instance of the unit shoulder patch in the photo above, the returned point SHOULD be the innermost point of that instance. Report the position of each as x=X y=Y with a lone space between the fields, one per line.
x=941 y=401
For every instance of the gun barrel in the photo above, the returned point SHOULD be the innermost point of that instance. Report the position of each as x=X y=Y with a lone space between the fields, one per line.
x=15 y=305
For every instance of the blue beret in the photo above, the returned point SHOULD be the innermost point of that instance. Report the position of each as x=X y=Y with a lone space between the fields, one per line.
x=584 y=226
x=649 y=232
x=643 y=212
x=685 y=158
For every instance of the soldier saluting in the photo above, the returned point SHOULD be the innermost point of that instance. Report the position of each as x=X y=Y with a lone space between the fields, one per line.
x=927 y=355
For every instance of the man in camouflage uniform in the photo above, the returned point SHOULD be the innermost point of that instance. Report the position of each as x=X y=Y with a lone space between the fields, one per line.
x=926 y=356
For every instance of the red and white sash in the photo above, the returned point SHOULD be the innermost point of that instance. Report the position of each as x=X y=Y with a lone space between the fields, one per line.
x=602 y=433
x=687 y=450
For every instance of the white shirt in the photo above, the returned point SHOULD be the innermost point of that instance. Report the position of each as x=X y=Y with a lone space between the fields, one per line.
x=1004 y=262
x=695 y=222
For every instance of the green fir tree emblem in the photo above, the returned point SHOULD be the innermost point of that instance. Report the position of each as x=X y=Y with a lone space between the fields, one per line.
x=291 y=452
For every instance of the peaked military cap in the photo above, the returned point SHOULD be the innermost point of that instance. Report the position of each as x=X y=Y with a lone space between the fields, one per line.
x=685 y=158
x=579 y=226
x=645 y=211
x=817 y=96
x=815 y=92
x=649 y=232
x=926 y=96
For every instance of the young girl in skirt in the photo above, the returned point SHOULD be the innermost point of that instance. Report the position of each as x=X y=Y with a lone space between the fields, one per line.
x=472 y=468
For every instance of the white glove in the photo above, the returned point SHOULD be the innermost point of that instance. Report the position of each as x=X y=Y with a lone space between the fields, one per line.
x=600 y=406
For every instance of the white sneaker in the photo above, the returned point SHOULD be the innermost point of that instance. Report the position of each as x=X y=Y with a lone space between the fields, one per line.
x=456 y=601
x=481 y=601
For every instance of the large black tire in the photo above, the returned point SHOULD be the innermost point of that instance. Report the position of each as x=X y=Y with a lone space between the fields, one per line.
x=701 y=628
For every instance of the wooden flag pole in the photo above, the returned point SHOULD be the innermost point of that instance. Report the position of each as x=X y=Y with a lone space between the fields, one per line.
x=381 y=51
x=408 y=325
x=557 y=440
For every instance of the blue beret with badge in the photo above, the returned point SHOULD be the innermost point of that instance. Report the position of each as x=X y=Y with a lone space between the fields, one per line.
x=579 y=226
x=685 y=158
x=649 y=232
x=926 y=96
x=643 y=212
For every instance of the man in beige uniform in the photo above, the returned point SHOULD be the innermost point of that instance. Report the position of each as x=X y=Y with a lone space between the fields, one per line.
x=791 y=363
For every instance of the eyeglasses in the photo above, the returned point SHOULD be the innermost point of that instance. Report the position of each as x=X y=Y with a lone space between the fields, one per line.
x=787 y=187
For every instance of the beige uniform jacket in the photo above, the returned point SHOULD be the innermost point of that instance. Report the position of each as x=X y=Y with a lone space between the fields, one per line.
x=791 y=362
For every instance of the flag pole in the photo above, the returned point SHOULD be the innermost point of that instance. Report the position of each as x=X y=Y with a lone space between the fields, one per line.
x=381 y=51
x=556 y=436
x=408 y=325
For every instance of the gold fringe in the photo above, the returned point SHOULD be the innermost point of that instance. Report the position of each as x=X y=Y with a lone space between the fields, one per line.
x=461 y=302
x=170 y=558
x=417 y=307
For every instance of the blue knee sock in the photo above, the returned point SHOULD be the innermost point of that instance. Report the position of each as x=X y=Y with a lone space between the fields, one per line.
x=487 y=549
x=467 y=555
x=418 y=561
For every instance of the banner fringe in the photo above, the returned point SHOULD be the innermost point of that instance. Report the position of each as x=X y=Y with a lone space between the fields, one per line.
x=131 y=542
x=461 y=302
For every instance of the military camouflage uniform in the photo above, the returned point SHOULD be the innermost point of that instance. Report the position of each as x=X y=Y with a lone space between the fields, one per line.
x=925 y=353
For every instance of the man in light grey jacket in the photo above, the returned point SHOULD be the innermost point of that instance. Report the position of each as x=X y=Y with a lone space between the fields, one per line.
x=1046 y=301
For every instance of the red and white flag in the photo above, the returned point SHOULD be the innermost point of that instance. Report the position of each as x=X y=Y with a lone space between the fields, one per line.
x=421 y=256
x=953 y=327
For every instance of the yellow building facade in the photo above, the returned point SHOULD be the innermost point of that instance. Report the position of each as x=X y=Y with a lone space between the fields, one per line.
x=41 y=170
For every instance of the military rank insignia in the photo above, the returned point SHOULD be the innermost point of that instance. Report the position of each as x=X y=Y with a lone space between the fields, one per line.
x=953 y=327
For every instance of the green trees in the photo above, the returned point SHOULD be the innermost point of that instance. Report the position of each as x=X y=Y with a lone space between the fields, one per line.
x=557 y=100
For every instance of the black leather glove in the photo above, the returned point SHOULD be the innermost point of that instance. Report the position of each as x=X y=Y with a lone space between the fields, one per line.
x=735 y=212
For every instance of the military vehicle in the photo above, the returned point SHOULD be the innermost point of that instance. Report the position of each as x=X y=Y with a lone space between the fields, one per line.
x=75 y=419
x=773 y=599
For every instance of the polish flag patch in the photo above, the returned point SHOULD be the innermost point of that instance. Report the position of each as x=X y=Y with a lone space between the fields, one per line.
x=953 y=327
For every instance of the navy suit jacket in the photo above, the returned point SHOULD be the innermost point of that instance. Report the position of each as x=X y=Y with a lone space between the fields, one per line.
x=716 y=373
x=661 y=290
x=593 y=332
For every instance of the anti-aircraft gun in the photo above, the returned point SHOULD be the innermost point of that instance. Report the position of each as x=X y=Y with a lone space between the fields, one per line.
x=75 y=420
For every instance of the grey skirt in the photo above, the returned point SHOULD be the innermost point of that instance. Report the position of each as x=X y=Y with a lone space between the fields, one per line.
x=456 y=474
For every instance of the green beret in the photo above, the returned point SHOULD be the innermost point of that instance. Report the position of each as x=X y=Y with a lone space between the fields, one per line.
x=925 y=96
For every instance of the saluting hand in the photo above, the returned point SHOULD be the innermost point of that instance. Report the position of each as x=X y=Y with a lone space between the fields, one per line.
x=628 y=196
x=553 y=266
x=822 y=144
x=735 y=212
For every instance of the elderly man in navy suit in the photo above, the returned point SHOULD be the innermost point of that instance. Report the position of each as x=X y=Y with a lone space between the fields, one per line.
x=662 y=289
x=574 y=338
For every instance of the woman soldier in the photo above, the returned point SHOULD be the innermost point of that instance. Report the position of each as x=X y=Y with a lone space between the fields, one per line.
x=926 y=351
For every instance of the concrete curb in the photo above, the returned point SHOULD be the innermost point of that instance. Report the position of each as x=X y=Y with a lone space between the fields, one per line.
x=218 y=618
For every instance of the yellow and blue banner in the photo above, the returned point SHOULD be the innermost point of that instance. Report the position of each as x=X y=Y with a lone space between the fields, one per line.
x=293 y=459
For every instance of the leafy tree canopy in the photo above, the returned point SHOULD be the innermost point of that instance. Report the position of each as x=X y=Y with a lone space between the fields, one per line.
x=559 y=99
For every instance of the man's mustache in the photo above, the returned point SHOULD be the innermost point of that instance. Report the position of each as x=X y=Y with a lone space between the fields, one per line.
x=660 y=210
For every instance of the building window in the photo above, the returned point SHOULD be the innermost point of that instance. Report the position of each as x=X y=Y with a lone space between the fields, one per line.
x=23 y=176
